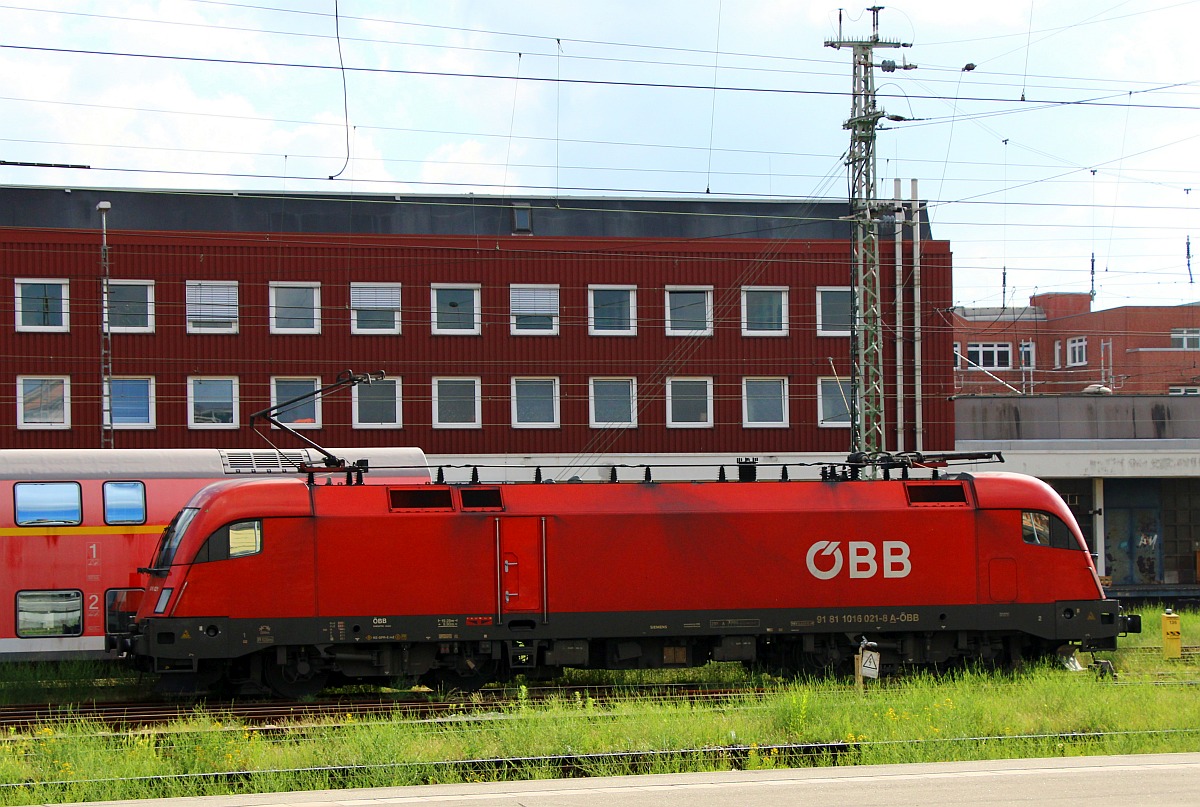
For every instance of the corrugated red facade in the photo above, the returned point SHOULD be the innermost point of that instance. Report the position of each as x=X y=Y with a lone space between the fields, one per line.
x=254 y=355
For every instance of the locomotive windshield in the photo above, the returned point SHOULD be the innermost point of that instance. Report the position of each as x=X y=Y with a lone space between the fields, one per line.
x=1046 y=529
x=169 y=542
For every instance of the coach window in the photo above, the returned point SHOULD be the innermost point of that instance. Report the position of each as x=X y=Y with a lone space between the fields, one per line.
x=234 y=540
x=48 y=504
x=49 y=613
x=1045 y=529
x=124 y=503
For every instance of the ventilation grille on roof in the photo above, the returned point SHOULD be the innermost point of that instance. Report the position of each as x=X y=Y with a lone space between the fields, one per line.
x=262 y=462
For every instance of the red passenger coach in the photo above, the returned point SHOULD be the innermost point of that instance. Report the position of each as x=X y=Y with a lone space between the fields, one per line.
x=281 y=584
x=76 y=524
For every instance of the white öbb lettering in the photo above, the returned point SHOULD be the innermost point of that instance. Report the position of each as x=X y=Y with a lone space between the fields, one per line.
x=861 y=559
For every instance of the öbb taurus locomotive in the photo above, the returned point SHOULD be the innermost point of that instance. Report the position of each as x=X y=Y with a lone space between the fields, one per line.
x=285 y=585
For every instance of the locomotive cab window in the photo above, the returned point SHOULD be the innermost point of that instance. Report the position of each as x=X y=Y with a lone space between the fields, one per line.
x=49 y=613
x=234 y=540
x=124 y=503
x=47 y=503
x=1045 y=529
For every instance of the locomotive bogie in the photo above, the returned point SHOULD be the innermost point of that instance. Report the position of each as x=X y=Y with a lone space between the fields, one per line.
x=287 y=584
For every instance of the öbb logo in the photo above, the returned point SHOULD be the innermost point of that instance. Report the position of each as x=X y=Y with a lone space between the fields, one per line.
x=826 y=559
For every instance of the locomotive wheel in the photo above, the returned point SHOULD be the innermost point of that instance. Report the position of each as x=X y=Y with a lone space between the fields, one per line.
x=296 y=679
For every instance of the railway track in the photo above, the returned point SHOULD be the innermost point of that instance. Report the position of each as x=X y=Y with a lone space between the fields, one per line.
x=575 y=765
x=273 y=714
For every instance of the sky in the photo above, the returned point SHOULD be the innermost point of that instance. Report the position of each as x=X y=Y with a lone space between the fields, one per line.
x=1054 y=141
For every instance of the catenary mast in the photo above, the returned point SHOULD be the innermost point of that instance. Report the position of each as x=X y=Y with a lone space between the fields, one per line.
x=866 y=402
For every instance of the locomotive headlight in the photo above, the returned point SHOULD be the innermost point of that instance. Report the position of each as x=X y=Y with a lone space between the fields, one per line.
x=164 y=597
x=1068 y=613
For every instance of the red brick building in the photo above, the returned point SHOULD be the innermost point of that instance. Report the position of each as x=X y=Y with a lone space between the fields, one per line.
x=1058 y=345
x=506 y=327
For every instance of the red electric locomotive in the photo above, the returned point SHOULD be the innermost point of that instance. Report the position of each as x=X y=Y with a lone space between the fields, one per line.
x=76 y=524
x=281 y=584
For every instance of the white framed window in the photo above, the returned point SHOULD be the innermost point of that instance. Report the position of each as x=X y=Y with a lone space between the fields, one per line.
x=1077 y=351
x=130 y=402
x=989 y=355
x=764 y=402
x=689 y=310
x=612 y=310
x=42 y=305
x=834 y=310
x=43 y=402
x=375 y=308
x=1185 y=338
x=1027 y=355
x=212 y=306
x=833 y=403
x=1183 y=391
x=304 y=413
x=612 y=403
x=533 y=309
x=457 y=403
x=377 y=405
x=130 y=306
x=212 y=402
x=958 y=358
x=295 y=307
x=455 y=308
x=764 y=311
x=689 y=403
x=535 y=403
x=1057 y=353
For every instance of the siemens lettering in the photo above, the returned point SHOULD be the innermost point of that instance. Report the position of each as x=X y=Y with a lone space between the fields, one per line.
x=862 y=559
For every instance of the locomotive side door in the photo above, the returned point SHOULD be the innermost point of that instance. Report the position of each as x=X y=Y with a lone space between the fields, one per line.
x=520 y=565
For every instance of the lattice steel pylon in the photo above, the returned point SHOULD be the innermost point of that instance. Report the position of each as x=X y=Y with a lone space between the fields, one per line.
x=866 y=401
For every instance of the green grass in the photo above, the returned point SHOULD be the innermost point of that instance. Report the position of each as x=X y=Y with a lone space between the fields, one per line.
x=1039 y=711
